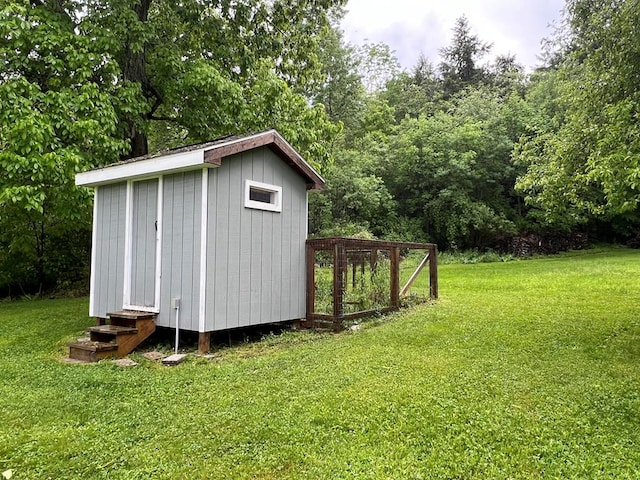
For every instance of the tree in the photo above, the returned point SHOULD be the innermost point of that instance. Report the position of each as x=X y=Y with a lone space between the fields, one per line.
x=182 y=70
x=340 y=89
x=588 y=163
x=414 y=93
x=203 y=82
x=60 y=114
x=85 y=82
x=459 y=65
x=423 y=164
x=453 y=170
x=507 y=75
x=377 y=65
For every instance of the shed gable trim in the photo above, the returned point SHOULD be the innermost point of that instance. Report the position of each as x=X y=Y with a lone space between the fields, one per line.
x=277 y=144
x=217 y=153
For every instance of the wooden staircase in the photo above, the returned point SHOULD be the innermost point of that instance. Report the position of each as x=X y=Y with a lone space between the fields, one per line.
x=124 y=332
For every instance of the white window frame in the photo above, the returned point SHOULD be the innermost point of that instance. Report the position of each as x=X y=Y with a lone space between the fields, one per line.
x=274 y=206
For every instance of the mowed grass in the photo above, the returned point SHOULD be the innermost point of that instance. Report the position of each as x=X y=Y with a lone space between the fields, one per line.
x=527 y=369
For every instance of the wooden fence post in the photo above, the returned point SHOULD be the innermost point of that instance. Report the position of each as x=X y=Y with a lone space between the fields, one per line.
x=339 y=283
x=204 y=342
x=374 y=260
x=433 y=272
x=395 y=277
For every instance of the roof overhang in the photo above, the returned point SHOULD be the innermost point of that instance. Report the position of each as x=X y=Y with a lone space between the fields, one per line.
x=206 y=155
x=142 y=168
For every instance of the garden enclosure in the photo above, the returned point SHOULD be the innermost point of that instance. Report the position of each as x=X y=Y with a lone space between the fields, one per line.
x=350 y=278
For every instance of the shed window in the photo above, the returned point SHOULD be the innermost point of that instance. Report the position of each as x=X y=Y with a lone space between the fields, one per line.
x=262 y=196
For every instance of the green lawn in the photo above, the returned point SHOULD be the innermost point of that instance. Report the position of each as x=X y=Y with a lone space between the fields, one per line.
x=527 y=369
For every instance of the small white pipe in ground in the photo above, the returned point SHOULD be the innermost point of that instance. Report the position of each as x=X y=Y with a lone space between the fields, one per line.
x=176 y=305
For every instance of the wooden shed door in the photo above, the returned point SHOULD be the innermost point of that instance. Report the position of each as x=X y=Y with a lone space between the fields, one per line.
x=144 y=245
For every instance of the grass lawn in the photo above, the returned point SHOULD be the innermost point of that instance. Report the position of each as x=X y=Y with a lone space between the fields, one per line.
x=527 y=369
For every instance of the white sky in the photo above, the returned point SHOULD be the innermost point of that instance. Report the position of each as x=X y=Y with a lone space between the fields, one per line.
x=411 y=27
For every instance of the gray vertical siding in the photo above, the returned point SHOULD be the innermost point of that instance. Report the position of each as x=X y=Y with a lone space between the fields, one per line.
x=180 y=272
x=255 y=269
x=143 y=246
x=109 y=248
x=255 y=258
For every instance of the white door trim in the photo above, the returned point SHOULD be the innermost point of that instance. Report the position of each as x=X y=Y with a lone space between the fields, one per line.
x=94 y=255
x=128 y=247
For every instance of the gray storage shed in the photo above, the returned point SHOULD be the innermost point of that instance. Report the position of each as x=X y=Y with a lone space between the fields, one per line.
x=216 y=230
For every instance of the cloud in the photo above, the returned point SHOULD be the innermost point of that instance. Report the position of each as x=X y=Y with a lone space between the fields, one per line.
x=412 y=27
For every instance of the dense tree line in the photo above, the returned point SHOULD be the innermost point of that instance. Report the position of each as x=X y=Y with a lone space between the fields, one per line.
x=463 y=151
x=470 y=152
x=428 y=155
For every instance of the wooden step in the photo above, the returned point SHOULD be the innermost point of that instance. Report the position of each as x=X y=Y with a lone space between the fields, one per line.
x=127 y=343
x=128 y=318
x=109 y=333
x=113 y=329
x=126 y=330
x=133 y=314
x=92 y=351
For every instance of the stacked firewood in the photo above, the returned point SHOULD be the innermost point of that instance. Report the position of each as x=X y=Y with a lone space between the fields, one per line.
x=536 y=244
